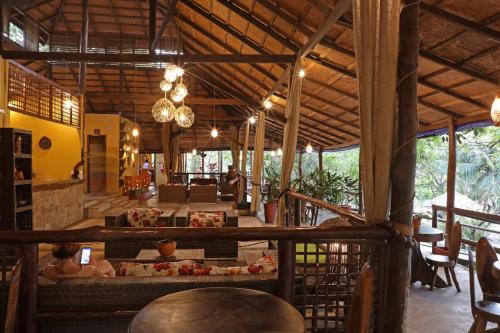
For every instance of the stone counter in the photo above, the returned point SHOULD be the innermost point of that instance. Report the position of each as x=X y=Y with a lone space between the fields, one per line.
x=57 y=204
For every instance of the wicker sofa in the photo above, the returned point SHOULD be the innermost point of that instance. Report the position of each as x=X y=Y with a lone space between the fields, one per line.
x=82 y=295
x=128 y=250
x=173 y=193
x=203 y=193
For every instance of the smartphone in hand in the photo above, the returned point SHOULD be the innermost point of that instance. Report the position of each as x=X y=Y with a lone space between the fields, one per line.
x=85 y=259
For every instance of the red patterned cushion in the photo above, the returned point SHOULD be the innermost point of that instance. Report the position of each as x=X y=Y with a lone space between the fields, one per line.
x=206 y=219
x=144 y=217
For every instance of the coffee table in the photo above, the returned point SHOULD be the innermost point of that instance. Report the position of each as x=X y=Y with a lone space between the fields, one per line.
x=147 y=255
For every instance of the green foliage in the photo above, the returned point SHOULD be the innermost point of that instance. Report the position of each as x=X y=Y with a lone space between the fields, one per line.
x=272 y=182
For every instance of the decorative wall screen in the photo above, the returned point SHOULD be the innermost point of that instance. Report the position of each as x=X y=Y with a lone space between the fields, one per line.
x=34 y=95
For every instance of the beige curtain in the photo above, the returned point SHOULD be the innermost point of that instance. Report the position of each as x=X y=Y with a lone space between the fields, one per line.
x=235 y=146
x=174 y=159
x=258 y=160
x=4 y=82
x=166 y=131
x=290 y=135
x=244 y=161
x=376 y=35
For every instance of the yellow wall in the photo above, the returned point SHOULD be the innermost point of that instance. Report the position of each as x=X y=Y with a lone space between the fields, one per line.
x=57 y=162
x=109 y=125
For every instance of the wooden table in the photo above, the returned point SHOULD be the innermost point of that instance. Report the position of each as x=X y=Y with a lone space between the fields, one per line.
x=216 y=310
x=495 y=270
x=420 y=270
x=146 y=255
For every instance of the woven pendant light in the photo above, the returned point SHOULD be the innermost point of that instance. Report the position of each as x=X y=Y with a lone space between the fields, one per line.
x=163 y=110
x=184 y=116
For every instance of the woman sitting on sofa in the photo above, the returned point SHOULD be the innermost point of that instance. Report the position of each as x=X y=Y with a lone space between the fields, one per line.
x=68 y=264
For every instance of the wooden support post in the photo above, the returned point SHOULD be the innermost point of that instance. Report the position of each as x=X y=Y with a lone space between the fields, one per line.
x=403 y=169
x=84 y=37
x=2 y=24
x=320 y=158
x=298 y=212
x=29 y=288
x=450 y=180
x=203 y=165
x=300 y=166
x=286 y=270
x=152 y=25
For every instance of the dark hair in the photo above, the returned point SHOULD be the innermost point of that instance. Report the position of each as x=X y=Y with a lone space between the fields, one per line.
x=65 y=251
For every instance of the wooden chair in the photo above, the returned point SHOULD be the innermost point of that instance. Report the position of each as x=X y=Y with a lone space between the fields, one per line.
x=485 y=257
x=447 y=262
x=361 y=306
x=482 y=311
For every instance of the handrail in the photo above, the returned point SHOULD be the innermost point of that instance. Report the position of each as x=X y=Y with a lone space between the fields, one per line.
x=487 y=217
x=323 y=204
x=102 y=234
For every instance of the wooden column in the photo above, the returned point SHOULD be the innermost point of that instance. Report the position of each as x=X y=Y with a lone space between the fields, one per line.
x=300 y=166
x=203 y=164
x=403 y=169
x=166 y=133
x=450 y=180
x=84 y=37
x=320 y=159
x=152 y=25
x=29 y=288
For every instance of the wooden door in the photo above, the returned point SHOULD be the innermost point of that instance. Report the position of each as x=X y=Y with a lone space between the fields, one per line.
x=96 y=163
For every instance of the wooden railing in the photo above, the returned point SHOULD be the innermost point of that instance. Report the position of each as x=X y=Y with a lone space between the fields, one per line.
x=486 y=217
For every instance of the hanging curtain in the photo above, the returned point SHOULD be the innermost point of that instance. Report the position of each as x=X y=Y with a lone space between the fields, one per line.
x=258 y=159
x=290 y=135
x=174 y=159
x=4 y=83
x=376 y=34
x=244 y=162
x=235 y=147
x=166 y=131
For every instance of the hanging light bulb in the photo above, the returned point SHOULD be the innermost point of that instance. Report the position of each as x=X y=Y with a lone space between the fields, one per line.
x=273 y=153
x=495 y=110
x=170 y=72
x=194 y=151
x=309 y=148
x=279 y=152
x=135 y=132
x=165 y=85
x=251 y=120
x=68 y=103
x=179 y=71
x=268 y=104
x=214 y=133
x=136 y=151
x=302 y=73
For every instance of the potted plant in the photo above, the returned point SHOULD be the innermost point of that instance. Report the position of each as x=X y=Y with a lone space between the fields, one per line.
x=417 y=222
x=272 y=181
x=137 y=193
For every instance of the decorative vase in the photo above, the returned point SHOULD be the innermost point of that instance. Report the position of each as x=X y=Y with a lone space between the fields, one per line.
x=270 y=212
x=166 y=247
x=19 y=143
x=417 y=222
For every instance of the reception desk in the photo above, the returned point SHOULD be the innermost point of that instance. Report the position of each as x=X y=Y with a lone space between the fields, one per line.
x=57 y=204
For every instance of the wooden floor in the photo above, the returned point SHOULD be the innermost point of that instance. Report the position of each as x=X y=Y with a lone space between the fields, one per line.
x=438 y=311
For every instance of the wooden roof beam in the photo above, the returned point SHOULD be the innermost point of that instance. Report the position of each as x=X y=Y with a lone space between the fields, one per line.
x=168 y=16
x=191 y=58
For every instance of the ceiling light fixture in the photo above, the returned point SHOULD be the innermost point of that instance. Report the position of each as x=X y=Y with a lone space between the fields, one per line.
x=309 y=148
x=302 y=73
x=251 y=119
x=68 y=103
x=268 y=104
x=495 y=110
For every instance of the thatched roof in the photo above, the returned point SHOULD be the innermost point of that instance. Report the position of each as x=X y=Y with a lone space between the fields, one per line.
x=458 y=72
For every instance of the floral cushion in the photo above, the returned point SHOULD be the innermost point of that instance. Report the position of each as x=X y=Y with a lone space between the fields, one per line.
x=144 y=217
x=266 y=264
x=203 y=220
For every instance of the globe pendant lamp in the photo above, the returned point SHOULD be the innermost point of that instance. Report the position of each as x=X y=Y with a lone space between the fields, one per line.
x=184 y=116
x=179 y=92
x=170 y=73
x=165 y=85
x=163 y=110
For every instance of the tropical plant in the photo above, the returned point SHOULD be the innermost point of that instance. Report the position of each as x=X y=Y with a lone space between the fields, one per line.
x=272 y=182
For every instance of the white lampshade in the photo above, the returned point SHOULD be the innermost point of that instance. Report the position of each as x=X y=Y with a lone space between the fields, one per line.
x=165 y=85
x=268 y=104
x=194 y=151
x=495 y=110
x=279 y=152
x=135 y=132
x=251 y=120
x=309 y=148
x=214 y=133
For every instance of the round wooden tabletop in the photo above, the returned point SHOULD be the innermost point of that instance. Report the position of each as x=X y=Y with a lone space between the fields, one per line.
x=495 y=269
x=211 y=310
x=428 y=234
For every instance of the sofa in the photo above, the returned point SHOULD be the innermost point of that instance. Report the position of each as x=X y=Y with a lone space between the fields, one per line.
x=130 y=249
x=203 y=181
x=203 y=193
x=175 y=193
x=126 y=294
x=227 y=190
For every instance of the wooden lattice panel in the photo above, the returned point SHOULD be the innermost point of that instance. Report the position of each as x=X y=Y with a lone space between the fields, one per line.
x=34 y=95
